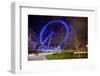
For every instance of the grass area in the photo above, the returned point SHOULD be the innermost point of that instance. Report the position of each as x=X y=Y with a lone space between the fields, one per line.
x=61 y=54
x=66 y=55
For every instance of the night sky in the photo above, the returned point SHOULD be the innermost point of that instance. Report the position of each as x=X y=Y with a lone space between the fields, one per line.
x=36 y=22
x=78 y=27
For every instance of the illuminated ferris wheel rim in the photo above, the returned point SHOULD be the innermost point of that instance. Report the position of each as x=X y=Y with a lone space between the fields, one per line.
x=47 y=25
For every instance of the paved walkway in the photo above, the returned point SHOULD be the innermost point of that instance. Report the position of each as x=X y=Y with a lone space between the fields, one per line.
x=40 y=56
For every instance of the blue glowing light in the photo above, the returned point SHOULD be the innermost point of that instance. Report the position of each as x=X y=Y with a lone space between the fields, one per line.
x=58 y=46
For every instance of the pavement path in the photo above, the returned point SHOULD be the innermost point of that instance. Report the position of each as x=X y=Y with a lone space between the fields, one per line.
x=40 y=56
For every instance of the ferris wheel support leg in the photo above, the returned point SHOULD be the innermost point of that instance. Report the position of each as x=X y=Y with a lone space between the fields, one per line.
x=50 y=39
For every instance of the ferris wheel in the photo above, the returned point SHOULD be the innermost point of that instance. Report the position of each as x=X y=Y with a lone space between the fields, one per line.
x=53 y=35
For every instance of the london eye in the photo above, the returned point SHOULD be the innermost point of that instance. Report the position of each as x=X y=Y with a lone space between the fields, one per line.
x=53 y=35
